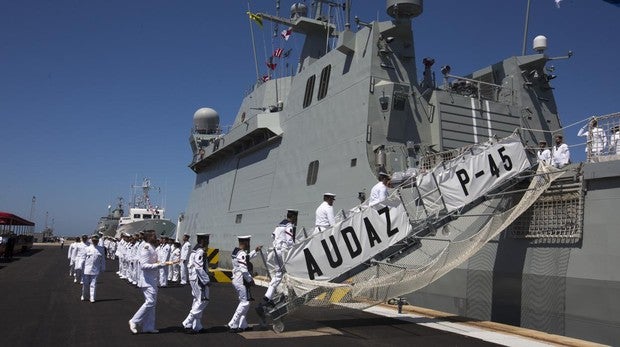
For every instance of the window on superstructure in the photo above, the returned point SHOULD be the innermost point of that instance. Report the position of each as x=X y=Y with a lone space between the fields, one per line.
x=309 y=91
x=147 y=216
x=136 y=215
x=353 y=162
x=313 y=173
x=324 y=82
x=238 y=218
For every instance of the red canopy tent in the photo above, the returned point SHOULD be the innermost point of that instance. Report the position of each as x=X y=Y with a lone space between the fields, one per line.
x=11 y=219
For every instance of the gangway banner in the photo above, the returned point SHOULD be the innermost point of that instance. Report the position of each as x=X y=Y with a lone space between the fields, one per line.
x=464 y=179
x=348 y=244
x=371 y=230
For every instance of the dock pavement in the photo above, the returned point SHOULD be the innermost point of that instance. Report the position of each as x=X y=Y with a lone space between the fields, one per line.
x=40 y=306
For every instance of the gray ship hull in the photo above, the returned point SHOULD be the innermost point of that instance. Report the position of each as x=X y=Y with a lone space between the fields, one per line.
x=560 y=285
x=107 y=226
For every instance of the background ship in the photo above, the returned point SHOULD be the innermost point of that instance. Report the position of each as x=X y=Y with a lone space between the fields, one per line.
x=107 y=225
x=144 y=216
x=355 y=106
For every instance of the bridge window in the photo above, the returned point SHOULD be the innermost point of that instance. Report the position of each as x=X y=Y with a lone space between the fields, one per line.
x=313 y=173
x=324 y=82
x=309 y=91
x=353 y=162
x=147 y=216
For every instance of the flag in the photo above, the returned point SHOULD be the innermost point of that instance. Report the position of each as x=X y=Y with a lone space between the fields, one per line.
x=557 y=3
x=287 y=53
x=278 y=52
x=286 y=33
x=271 y=64
x=256 y=17
x=265 y=78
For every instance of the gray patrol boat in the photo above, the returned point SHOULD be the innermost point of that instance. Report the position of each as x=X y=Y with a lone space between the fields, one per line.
x=108 y=224
x=357 y=104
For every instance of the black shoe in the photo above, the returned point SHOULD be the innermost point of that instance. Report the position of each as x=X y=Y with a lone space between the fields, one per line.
x=247 y=329
x=234 y=330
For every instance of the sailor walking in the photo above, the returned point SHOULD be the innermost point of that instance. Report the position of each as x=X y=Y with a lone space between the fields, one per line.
x=94 y=264
x=145 y=316
x=379 y=191
x=199 y=282
x=80 y=257
x=185 y=251
x=283 y=238
x=324 y=214
x=242 y=280
x=71 y=256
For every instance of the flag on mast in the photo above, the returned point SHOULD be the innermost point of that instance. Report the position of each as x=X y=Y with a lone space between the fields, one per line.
x=286 y=33
x=278 y=52
x=256 y=17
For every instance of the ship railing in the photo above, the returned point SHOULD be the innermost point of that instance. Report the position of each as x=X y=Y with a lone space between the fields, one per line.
x=475 y=88
x=603 y=138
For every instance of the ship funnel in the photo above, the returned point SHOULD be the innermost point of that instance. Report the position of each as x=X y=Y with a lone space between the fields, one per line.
x=404 y=8
x=206 y=121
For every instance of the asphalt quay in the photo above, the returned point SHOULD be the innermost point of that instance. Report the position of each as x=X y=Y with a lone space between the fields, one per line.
x=41 y=306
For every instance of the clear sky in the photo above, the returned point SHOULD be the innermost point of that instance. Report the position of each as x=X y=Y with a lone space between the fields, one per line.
x=94 y=94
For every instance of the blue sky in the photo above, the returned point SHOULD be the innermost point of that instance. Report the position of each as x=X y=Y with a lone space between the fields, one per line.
x=96 y=93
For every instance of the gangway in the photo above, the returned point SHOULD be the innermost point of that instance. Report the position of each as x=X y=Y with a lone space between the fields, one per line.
x=433 y=221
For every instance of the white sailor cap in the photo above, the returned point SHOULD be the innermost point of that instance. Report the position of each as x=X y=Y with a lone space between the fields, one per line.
x=329 y=194
x=126 y=234
x=244 y=237
x=384 y=174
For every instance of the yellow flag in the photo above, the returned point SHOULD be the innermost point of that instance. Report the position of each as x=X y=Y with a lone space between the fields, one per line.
x=256 y=17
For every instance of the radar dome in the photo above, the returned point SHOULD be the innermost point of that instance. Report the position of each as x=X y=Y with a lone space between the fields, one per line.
x=540 y=43
x=299 y=10
x=404 y=8
x=206 y=121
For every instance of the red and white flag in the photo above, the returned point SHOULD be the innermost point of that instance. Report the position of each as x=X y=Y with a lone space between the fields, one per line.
x=278 y=52
x=265 y=78
x=286 y=33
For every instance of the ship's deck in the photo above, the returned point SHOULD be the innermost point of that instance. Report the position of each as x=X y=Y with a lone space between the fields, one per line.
x=40 y=305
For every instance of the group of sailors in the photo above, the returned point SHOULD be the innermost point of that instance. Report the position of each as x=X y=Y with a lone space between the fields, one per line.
x=597 y=144
x=150 y=264
x=167 y=250
x=86 y=262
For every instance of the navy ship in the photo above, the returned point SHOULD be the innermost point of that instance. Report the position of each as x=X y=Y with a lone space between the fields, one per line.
x=108 y=224
x=355 y=105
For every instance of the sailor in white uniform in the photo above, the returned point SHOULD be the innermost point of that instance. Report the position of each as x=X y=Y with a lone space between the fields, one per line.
x=199 y=282
x=544 y=154
x=71 y=256
x=185 y=251
x=80 y=256
x=379 y=192
x=324 y=215
x=94 y=264
x=283 y=238
x=596 y=138
x=163 y=254
x=560 y=155
x=242 y=280
x=149 y=276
